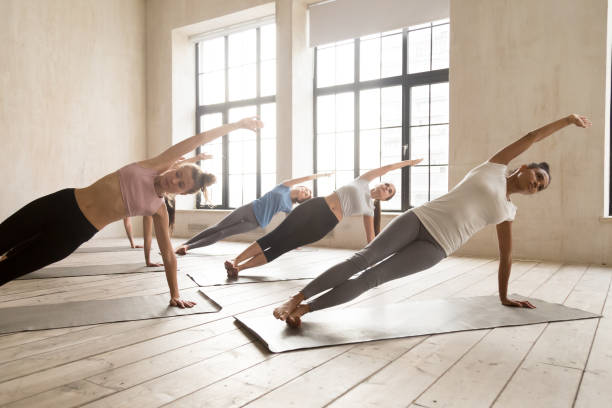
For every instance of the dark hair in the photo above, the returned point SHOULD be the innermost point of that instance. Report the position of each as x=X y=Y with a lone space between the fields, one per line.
x=201 y=180
x=544 y=166
x=377 y=214
x=170 y=202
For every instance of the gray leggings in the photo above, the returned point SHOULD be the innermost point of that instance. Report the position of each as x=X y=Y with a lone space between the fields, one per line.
x=238 y=221
x=404 y=247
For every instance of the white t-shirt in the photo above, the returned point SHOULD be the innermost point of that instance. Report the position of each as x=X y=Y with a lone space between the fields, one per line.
x=355 y=198
x=477 y=201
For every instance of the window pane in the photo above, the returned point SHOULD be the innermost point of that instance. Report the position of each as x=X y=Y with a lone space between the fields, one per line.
x=419 y=26
x=439 y=144
x=419 y=143
x=268 y=182
x=439 y=103
x=391 y=56
x=419 y=47
x=268 y=140
x=326 y=67
x=267 y=36
x=345 y=151
x=369 y=109
x=326 y=185
x=440 y=46
x=369 y=149
x=419 y=105
x=391 y=106
x=242 y=48
x=212 y=88
x=242 y=83
x=439 y=181
x=391 y=145
x=326 y=152
x=212 y=55
x=268 y=78
x=369 y=59
x=235 y=190
x=345 y=112
x=242 y=159
x=214 y=165
x=345 y=63
x=419 y=183
x=268 y=156
x=326 y=114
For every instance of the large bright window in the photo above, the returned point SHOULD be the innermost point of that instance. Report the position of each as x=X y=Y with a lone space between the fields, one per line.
x=236 y=78
x=380 y=99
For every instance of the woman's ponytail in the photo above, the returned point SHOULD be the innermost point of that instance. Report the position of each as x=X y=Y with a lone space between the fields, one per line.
x=377 y=216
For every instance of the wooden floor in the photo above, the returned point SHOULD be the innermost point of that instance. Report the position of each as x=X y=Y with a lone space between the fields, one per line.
x=206 y=360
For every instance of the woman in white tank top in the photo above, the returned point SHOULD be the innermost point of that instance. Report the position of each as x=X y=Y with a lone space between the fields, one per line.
x=315 y=218
x=423 y=236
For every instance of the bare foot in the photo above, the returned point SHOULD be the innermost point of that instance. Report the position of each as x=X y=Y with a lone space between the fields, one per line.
x=182 y=250
x=295 y=318
x=284 y=310
x=2 y=258
x=232 y=271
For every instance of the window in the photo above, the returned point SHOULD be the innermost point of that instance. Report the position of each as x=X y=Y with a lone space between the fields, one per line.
x=235 y=78
x=380 y=99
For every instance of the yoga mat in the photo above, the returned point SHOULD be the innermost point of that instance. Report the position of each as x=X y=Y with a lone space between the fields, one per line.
x=90 y=270
x=219 y=277
x=406 y=319
x=83 y=313
x=85 y=250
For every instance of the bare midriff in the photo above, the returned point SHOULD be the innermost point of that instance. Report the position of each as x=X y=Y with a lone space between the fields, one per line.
x=333 y=202
x=102 y=203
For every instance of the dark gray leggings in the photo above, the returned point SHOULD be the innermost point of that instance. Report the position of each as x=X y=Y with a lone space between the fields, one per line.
x=238 y=221
x=404 y=247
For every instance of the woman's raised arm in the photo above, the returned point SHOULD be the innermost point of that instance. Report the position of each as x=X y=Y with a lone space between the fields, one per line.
x=293 y=182
x=174 y=153
x=372 y=174
x=508 y=153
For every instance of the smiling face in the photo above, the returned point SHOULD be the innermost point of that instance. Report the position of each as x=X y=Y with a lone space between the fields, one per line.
x=532 y=179
x=383 y=191
x=301 y=194
x=176 y=181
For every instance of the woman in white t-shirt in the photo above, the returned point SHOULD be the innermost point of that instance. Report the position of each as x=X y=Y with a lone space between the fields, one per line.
x=423 y=236
x=312 y=220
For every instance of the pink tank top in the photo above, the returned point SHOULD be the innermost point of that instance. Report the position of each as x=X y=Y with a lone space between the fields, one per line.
x=138 y=190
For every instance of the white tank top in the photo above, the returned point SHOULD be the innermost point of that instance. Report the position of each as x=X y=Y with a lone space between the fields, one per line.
x=355 y=198
x=477 y=201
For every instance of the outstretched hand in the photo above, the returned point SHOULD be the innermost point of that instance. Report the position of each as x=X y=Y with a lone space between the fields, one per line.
x=252 y=123
x=518 y=303
x=580 y=121
x=204 y=156
x=178 y=302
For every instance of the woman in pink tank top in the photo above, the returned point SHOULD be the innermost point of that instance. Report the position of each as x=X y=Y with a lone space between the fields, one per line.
x=52 y=227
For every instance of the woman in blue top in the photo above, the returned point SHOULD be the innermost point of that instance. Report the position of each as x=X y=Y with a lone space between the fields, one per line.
x=258 y=213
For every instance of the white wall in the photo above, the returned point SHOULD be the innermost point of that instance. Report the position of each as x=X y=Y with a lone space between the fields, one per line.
x=72 y=95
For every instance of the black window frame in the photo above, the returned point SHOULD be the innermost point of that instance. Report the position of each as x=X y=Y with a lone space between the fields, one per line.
x=407 y=81
x=224 y=108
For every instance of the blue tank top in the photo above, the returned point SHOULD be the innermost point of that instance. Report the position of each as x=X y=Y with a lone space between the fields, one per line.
x=275 y=200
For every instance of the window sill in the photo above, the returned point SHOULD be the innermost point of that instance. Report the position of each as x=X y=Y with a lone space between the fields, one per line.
x=606 y=219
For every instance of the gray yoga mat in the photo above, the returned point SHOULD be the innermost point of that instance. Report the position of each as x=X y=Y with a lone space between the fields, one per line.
x=406 y=319
x=86 y=250
x=90 y=270
x=219 y=277
x=83 y=313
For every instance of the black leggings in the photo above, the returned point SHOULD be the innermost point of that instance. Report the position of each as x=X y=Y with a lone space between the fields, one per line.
x=44 y=231
x=308 y=223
